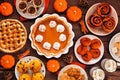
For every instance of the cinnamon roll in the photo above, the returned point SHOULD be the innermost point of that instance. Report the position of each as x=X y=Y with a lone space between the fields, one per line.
x=104 y=9
x=95 y=20
x=108 y=24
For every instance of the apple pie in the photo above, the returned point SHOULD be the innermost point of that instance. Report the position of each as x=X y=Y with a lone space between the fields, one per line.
x=13 y=35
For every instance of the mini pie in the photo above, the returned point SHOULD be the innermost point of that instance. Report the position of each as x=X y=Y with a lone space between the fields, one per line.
x=51 y=35
x=13 y=35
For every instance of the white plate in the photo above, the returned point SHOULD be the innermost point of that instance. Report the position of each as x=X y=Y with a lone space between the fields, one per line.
x=28 y=59
x=82 y=71
x=99 y=31
x=28 y=16
x=70 y=30
x=92 y=61
x=111 y=46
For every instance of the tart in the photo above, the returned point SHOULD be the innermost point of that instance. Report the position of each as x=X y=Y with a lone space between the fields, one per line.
x=13 y=35
x=32 y=10
x=51 y=35
x=22 y=5
x=37 y=3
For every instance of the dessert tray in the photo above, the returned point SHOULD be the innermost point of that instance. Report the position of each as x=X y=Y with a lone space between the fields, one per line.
x=92 y=61
x=99 y=31
x=50 y=34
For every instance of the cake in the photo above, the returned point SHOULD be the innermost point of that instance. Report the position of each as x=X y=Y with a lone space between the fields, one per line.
x=25 y=77
x=56 y=35
x=22 y=66
x=35 y=65
x=37 y=76
x=13 y=35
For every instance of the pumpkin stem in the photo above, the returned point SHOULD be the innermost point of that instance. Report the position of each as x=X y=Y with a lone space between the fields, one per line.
x=75 y=12
x=60 y=3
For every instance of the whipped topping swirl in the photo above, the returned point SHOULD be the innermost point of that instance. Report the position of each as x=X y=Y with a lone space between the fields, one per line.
x=42 y=28
x=98 y=74
x=52 y=24
x=56 y=45
x=39 y=38
x=47 y=45
x=60 y=28
x=62 y=37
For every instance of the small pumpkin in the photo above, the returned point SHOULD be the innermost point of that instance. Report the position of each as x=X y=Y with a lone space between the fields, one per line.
x=60 y=5
x=7 y=61
x=6 y=8
x=74 y=13
x=53 y=65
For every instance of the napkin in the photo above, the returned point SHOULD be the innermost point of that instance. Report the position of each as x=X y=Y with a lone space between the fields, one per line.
x=45 y=9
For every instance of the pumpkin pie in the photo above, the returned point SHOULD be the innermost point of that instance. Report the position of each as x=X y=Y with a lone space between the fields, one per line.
x=51 y=35
x=13 y=35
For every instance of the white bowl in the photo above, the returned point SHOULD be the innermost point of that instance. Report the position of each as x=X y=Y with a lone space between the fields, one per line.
x=92 y=61
x=99 y=31
x=67 y=46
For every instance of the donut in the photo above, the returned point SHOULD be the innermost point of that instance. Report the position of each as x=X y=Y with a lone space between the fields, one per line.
x=85 y=41
x=108 y=24
x=104 y=9
x=81 y=50
x=95 y=53
x=87 y=57
x=95 y=44
x=95 y=20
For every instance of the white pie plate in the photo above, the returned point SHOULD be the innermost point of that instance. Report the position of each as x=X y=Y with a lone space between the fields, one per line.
x=28 y=16
x=68 y=45
x=82 y=71
x=99 y=31
x=92 y=61
x=28 y=59
x=111 y=46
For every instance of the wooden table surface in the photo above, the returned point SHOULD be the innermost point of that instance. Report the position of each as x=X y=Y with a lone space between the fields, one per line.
x=78 y=33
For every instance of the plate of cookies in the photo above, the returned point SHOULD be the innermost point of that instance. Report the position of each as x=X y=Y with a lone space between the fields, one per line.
x=30 y=67
x=30 y=8
x=101 y=19
x=114 y=47
x=89 y=49
x=72 y=72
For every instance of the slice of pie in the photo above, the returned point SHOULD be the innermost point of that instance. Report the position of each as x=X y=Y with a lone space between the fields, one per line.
x=13 y=35
x=51 y=35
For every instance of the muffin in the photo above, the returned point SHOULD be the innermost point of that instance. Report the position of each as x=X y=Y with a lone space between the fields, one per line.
x=25 y=77
x=22 y=66
x=37 y=76
x=35 y=65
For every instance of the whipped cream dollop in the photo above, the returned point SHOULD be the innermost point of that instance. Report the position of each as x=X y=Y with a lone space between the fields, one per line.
x=98 y=74
x=110 y=65
x=60 y=28
x=42 y=28
x=39 y=38
x=47 y=45
x=56 y=45
x=52 y=24
x=62 y=37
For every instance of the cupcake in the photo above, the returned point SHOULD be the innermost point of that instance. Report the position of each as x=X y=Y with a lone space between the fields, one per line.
x=25 y=77
x=35 y=65
x=37 y=76
x=22 y=66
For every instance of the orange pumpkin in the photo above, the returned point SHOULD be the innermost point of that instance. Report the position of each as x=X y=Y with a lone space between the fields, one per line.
x=53 y=65
x=60 y=5
x=7 y=61
x=74 y=13
x=6 y=9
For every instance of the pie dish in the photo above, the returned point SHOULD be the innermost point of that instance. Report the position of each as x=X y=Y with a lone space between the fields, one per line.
x=92 y=61
x=51 y=35
x=92 y=11
x=13 y=35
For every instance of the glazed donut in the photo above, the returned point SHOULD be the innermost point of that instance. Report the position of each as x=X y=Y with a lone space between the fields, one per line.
x=81 y=50
x=95 y=20
x=95 y=53
x=87 y=57
x=95 y=44
x=85 y=41
x=104 y=9
x=108 y=24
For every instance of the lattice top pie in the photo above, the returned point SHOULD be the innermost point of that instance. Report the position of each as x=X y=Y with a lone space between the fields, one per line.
x=13 y=35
